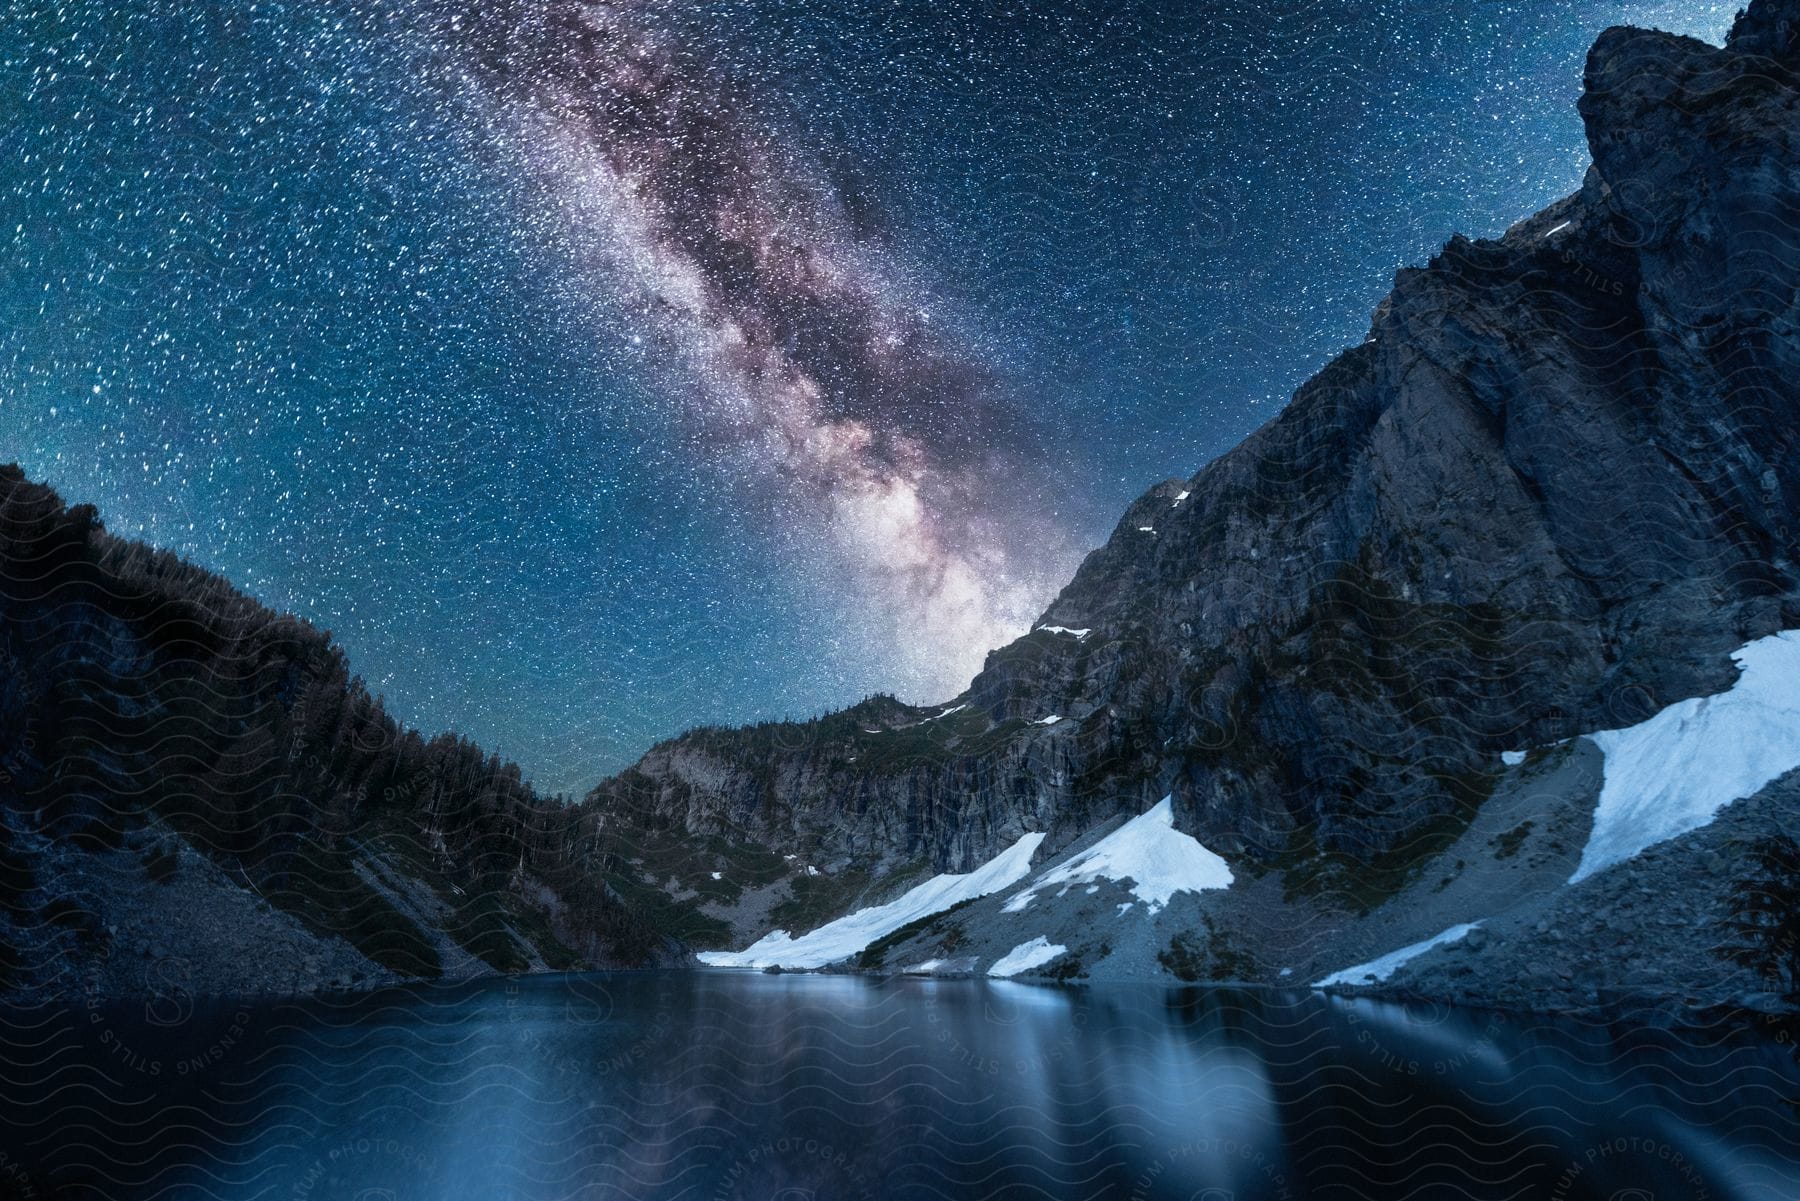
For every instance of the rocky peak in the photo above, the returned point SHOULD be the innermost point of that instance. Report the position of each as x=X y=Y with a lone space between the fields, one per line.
x=1768 y=27
x=1549 y=493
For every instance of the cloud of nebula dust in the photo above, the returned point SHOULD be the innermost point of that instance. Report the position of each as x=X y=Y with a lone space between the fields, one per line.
x=806 y=362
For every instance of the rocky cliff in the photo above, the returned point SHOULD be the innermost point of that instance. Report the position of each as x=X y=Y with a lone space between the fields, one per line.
x=1550 y=491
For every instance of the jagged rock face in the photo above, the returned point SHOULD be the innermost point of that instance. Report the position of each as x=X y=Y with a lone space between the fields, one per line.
x=1548 y=494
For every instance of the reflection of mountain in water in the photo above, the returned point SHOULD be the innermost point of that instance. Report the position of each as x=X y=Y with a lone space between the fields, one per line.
x=703 y=1085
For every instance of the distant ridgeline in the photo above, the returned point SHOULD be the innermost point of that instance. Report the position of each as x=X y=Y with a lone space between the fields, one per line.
x=150 y=710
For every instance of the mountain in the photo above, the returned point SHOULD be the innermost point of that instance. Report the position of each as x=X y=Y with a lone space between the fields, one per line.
x=1423 y=687
x=196 y=796
x=1549 y=494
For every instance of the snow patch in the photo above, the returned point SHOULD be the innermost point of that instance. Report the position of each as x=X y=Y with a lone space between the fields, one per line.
x=1381 y=969
x=1181 y=498
x=1148 y=850
x=1048 y=721
x=1146 y=529
x=1512 y=758
x=1673 y=773
x=854 y=931
x=718 y=875
x=1026 y=956
x=1077 y=634
x=1557 y=229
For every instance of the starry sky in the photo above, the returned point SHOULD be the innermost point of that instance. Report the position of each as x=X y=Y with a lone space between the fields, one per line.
x=594 y=370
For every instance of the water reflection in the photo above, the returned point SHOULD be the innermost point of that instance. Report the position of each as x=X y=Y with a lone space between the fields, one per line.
x=725 y=1085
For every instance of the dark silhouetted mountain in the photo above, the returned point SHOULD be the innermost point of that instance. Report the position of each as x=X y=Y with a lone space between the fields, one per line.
x=166 y=742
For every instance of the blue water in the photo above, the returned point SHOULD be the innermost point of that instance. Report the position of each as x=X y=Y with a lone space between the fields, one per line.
x=713 y=1085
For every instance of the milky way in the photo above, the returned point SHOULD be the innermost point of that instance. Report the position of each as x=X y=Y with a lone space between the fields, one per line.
x=593 y=371
x=805 y=358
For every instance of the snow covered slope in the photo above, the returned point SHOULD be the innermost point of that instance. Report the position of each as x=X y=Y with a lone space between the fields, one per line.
x=1026 y=956
x=851 y=933
x=1674 y=772
x=1148 y=850
x=1381 y=969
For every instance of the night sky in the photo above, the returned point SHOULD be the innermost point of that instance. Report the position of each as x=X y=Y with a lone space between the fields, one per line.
x=597 y=371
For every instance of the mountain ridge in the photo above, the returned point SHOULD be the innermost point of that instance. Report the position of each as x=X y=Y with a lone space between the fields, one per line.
x=197 y=795
x=1550 y=493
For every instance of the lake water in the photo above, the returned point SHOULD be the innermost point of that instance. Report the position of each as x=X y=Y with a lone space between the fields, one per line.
x=704 y=1085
